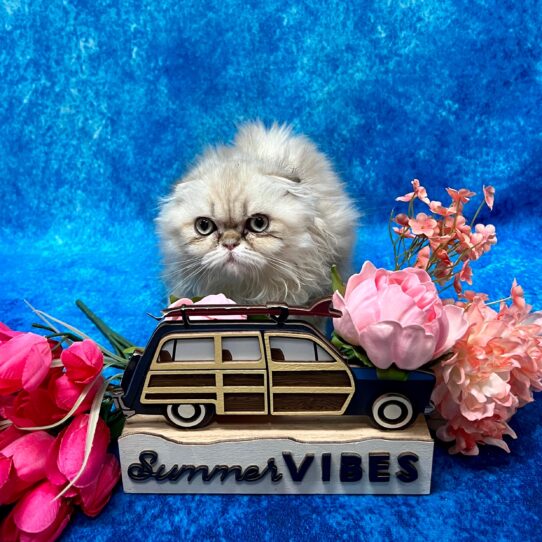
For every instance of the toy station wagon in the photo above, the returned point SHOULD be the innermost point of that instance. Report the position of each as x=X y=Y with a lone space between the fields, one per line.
x=193 y=369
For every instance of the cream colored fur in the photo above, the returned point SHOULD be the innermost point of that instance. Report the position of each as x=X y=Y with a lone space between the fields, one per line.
x=272 y=172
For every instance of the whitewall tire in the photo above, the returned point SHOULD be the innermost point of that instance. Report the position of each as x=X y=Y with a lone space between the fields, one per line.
x=189 y=416
x=392 y=411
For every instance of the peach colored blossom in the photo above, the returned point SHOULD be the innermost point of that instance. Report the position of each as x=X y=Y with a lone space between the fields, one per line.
x=404 y=232
x=489 y=196
x=422 y=259
x=418 y=192
x=495 y=369
x=423 y=225
x=437 y=208
x=460 y=196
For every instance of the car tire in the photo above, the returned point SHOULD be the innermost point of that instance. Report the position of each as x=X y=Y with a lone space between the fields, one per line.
x=392 y=411
x=189 y=416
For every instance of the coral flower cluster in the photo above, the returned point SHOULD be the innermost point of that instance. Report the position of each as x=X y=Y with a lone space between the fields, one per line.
x=442 y=242
x=44 y=475
x=494 y=370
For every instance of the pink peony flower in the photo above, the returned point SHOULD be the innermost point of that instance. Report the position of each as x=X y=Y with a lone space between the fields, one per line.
x=24 y=362
x=83 y=361
x=495 y=368
x=219 y=299
x=397 y=317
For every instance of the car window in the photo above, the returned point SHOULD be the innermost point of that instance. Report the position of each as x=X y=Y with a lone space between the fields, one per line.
x=297 y=349
x=241 y=349
x=189 y=349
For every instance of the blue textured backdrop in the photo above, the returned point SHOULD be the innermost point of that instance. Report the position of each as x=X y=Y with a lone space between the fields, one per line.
x=102 y=106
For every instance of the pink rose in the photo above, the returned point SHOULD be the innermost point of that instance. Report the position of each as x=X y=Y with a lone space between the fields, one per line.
x=219 y=299
x=397 y=317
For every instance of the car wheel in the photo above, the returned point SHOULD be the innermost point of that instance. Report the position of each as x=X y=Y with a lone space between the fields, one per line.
x=189 y=416
x=392 y=411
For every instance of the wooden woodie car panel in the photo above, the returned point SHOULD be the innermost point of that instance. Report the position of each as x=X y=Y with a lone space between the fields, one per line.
x=231 y=391
x=261 y=386
x=307 y=387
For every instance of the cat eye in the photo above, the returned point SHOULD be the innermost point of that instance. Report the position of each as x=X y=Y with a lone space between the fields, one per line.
x=204 y=226
x=257 y=223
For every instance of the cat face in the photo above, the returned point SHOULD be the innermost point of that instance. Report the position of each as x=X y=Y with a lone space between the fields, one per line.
x=235 y=223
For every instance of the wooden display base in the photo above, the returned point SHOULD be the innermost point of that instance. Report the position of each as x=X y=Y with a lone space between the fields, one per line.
x=278 y=455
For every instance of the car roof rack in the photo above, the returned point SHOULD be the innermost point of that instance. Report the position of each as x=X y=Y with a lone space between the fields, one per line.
x=279 y=312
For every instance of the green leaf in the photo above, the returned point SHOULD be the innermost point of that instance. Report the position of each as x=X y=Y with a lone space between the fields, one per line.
x=129 y=351
x=118 y=342
x=116 y=425
x=197 y=298
x=336 y=281
x=349 y=351
x=172 y=298
x=393 y=373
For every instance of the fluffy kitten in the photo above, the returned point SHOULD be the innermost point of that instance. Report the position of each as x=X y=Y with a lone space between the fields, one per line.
x=260 y=220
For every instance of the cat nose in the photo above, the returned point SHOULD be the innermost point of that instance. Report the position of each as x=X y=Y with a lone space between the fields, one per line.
x=230 y=245
x=230 y=239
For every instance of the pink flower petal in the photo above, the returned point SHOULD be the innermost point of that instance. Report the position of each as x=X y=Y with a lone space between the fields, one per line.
x=83 y=361
x=489 y=196
x=344 y=326
x=388 y=342
x=397 y=306
x=38 y=509
x=368 y=270
x=72 y=450
x=51 y=465
x=9 y=435
x=6 y=333
x=215 y=299
x=95 y=496
x=66 y=393
x=5 y=468
x=457 y=326
x=9 y=532
x=24 y=362
x=29 y=454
